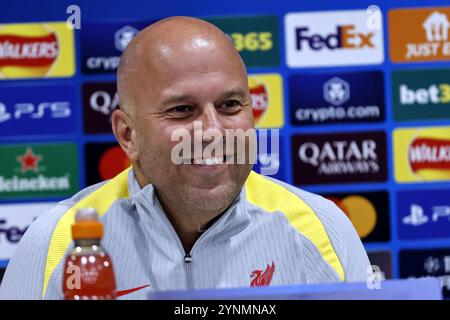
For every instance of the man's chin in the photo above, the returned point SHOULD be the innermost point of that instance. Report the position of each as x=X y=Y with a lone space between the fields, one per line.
x=218 y=195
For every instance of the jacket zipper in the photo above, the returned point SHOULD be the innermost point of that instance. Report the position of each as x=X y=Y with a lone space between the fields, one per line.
x=188 y=260
x=188 y=269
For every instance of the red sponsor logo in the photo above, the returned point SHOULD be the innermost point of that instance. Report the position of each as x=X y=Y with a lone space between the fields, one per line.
x=260 y=278
x=28 y=51
x=29 y=161
x=429 y=153
x=260 y=100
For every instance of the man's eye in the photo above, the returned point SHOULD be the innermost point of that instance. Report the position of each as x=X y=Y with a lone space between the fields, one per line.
x=180 y=109
x=231 y=103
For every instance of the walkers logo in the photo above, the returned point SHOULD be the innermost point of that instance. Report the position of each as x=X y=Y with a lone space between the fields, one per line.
x=37 y=170
x=36 y=50
x=336 y=98
x=421 y=94
x=419 y=34
x=422 y=154
x=368 y=212
x=104 y=161
x=100 y=99
x=382 y=259
x=267 y=98
x=36 y=110
x=339 y=157
x=102 y=44
x=260 y=278
x=14 y=221
x=423 y=214
x=333 y=38
x=255 y=38
x=427 y=263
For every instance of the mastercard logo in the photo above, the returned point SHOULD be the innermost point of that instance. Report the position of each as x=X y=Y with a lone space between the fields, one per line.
x=360 y=211
x=260 y=98
x=112 y=162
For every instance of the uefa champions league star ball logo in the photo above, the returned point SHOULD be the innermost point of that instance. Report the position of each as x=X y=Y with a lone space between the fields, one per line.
x=336 y=91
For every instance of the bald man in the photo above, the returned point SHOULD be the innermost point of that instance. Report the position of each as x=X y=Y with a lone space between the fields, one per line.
x=202 y=222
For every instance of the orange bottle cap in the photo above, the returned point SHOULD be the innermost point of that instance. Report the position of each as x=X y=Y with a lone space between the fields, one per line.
x=86 y=225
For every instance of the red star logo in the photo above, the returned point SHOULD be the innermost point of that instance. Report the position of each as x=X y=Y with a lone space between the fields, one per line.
x=29 y=161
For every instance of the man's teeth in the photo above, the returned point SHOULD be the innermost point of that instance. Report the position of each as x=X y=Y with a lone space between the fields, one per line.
x=209 y=161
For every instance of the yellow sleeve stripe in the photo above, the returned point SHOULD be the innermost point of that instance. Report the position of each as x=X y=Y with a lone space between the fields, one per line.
x=101 y=199
x=272 y=197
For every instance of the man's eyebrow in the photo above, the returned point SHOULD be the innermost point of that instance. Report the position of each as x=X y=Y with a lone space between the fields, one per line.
x=176 y=99
x=185 y=97
x=233 y=93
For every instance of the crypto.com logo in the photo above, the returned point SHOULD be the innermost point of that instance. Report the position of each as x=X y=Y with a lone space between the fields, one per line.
x=236 y=146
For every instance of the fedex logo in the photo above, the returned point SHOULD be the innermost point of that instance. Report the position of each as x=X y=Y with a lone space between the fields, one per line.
x=333 y=38
x=14 y=222
x=345 y=37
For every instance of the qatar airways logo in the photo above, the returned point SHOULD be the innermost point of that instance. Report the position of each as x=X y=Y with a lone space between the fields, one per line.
x=339 y=158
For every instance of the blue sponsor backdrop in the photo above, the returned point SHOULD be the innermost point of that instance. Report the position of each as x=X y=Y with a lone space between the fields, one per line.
x=102 y=17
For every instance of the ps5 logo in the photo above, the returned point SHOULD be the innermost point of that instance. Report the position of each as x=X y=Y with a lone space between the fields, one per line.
x=417 y=216
x=60 y=109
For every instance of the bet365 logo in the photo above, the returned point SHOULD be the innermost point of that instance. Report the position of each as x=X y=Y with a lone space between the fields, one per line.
x=256 y=38
x=252 y=41
x=435 y=94
x=421 y=94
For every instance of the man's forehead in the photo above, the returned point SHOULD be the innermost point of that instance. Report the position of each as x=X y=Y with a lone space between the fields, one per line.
x=168 y=53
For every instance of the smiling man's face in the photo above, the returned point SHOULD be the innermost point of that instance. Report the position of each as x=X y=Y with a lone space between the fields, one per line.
x=181 y=80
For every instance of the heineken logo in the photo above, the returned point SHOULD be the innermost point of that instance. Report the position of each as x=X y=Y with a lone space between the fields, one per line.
x=29 y=161
x=40 y=183
x=37 y=170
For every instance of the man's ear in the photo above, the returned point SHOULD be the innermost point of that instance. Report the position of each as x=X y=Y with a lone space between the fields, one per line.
x=123 y=129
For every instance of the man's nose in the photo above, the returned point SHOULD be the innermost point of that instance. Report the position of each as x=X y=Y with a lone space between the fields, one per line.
x=211 y=119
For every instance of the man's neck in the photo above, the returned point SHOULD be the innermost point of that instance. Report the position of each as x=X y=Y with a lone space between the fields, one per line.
x=189 y=225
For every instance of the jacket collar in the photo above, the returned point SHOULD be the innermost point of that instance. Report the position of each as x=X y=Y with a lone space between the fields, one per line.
x=234 y=220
